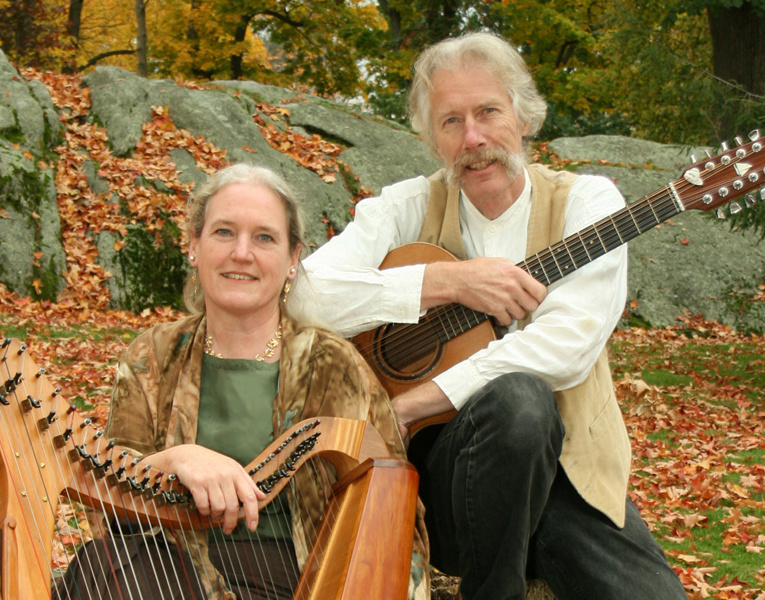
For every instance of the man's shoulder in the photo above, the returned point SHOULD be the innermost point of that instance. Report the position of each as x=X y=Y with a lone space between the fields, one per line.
x=554 y=175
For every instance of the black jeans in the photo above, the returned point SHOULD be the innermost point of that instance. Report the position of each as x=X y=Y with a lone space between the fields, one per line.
x=499 y=509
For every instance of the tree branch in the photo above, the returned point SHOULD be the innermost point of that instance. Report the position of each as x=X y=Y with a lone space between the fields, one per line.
x=98 y=57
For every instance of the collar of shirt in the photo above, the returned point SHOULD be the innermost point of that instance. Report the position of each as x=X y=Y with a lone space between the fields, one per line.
x=504 y=236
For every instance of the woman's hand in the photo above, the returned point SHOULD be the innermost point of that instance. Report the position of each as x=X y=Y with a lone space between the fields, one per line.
x=220 y=485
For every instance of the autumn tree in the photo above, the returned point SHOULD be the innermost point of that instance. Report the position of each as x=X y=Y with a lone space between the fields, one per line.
x=33 y=32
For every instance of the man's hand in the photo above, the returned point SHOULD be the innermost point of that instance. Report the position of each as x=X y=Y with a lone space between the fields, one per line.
x=494 y=286
x=420 y=402
x=218 y=483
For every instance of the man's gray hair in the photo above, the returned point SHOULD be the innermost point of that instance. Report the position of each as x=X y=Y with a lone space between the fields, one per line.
x=485 y=50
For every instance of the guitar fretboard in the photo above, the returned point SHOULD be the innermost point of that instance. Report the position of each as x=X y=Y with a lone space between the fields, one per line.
x=586 y=245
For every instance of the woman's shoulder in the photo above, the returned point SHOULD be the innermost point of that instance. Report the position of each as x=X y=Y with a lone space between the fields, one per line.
x=166 y=336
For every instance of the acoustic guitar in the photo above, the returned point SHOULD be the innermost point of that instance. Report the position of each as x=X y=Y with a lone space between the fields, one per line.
x=407 y=355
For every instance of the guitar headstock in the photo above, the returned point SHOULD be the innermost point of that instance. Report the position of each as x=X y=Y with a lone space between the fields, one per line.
x=720 y=179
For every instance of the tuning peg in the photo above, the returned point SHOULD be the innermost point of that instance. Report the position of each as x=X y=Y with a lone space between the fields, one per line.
x=749 y=200
x=693 y=159
x=735 y=208
x=708 y=153
x=754 y=134
x=724 y=146
x=738 y=140
x=720 y=214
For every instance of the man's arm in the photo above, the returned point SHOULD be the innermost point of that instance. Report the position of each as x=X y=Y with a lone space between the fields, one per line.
x=419 y=403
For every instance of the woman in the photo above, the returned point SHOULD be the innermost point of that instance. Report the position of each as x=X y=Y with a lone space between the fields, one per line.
x=206 y=394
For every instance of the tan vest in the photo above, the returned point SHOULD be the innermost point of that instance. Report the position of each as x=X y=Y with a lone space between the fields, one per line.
x=596 y=450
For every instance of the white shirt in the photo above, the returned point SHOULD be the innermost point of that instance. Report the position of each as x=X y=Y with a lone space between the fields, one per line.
x=568 y=330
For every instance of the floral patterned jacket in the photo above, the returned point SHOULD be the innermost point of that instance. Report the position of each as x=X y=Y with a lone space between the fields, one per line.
x=155 y=402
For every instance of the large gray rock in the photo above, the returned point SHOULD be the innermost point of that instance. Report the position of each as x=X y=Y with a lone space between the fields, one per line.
x=31 y=255
x=122 y=103
x=380 y=153
x=29 y=226
x=27 y=116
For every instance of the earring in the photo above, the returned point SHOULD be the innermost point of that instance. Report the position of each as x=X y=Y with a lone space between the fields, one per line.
x=287 y=288
x=195 y=282
x=292 y=270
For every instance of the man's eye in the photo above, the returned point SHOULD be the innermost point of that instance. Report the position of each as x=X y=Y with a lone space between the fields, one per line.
x=264 y=237
x=223 y=231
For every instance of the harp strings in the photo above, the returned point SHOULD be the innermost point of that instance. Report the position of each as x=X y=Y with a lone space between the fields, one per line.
x=33 y=449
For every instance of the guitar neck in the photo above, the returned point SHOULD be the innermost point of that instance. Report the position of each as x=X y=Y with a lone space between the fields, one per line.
x=581 y=248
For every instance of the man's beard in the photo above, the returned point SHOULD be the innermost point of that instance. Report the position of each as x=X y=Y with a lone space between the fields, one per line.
x=512 y=163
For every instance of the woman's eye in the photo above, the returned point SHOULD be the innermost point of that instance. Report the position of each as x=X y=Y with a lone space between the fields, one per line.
x=223 y=231
x=264 y=237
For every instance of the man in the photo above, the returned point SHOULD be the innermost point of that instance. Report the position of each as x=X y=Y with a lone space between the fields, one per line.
x=529 y=479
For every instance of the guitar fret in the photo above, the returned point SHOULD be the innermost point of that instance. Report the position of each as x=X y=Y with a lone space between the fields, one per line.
x=543 y=269
x=634 y=221
x=655 y=216
x=673 y=194
x=616 y=229
x=587 y=252
x=558 y=264
x=573 y=261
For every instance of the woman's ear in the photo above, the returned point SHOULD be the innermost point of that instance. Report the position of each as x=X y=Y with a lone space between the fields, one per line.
x=295 y=262
x=193 y=252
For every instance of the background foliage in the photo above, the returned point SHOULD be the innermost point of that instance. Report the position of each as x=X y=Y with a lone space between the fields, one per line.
x=638 y=68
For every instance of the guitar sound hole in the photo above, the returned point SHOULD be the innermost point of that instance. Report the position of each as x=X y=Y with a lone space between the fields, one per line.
x=407 y=351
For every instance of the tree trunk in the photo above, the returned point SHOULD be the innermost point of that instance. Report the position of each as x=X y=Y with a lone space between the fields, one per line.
x=141 y=41
x=239 y=36
x=738 y=54
x=75 y=18
x=394 y=22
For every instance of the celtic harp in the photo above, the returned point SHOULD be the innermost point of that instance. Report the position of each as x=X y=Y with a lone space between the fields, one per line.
x=49 y=453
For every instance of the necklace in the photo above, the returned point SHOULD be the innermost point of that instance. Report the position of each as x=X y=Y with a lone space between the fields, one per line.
x=272 y=344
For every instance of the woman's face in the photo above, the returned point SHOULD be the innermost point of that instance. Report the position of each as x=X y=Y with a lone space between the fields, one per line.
x=243 y=254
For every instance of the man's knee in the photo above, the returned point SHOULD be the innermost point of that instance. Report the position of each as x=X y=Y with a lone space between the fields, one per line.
x=521 y=408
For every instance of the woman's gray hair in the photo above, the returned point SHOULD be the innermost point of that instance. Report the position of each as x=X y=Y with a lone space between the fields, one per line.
x=485 y=50
x=255 y=175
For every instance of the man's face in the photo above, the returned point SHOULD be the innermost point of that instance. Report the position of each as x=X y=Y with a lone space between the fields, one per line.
x=478 y=137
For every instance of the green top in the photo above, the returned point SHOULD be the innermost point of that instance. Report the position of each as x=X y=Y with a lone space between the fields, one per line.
x=236 y=403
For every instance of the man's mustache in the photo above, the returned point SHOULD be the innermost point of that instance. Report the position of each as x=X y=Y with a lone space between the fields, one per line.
x=512 y=162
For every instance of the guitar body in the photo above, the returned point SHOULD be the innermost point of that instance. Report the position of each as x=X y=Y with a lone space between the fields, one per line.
x=406 y=355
